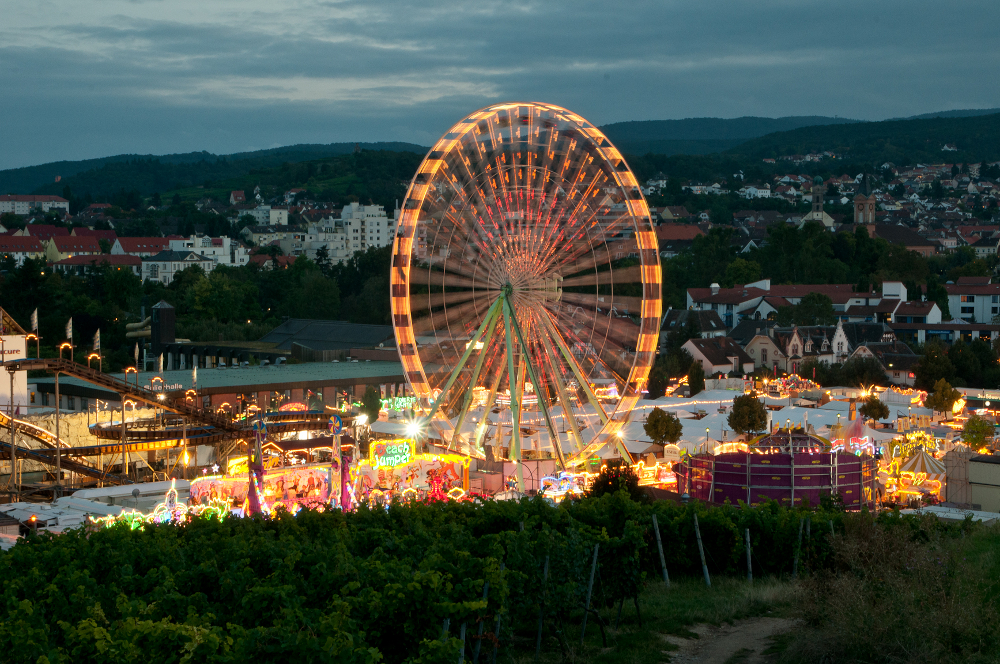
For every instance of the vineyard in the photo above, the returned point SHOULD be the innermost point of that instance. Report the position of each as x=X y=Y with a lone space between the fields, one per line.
x=410 y=583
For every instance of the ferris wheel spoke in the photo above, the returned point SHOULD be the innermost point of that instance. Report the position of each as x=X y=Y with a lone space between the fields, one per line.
x=515 y=402
x=467 y=400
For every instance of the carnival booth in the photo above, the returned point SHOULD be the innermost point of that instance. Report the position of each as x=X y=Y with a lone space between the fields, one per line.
x=316 y=486
x=788 y=466
x=919 y=476
x=394 y=470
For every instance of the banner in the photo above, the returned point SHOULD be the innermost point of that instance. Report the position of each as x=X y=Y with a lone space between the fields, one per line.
x=97 y=342
x=34 y=321
x=69 y=330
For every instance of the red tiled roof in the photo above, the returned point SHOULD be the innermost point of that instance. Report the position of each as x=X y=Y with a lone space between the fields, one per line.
x=968 y=281
x=262 y=259
x=70 y=243
x=133 y=245
x=972 y=289
x=914 y=308
x=677 y=232
x=31 y=198
x=20 y=244
x=45 y=231
x=83 y=231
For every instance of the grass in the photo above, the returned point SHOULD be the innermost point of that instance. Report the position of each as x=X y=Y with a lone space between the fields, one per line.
x=912 y=592
x=665 y=611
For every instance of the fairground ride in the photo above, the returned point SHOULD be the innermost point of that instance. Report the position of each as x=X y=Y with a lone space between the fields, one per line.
x=526 y=285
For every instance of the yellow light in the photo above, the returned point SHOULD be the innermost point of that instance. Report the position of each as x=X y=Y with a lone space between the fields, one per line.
x=958 y=406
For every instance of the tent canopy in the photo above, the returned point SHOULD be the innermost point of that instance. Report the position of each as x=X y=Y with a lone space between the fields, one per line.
x=922 y=462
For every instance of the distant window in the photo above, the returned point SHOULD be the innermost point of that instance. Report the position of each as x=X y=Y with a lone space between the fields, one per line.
x=968 y=298
x=763 y=355
x=996 y=299
x=840 y=346
x=968 y=310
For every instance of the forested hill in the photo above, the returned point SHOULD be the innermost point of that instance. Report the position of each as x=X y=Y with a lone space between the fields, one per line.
x=703 y=135
x=158 y=173
x=899 y=141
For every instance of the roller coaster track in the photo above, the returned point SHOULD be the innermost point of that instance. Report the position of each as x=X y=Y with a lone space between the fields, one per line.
x=48 y=457
x=179 y=406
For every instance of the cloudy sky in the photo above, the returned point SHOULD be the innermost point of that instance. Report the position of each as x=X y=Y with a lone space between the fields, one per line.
x=97 y=78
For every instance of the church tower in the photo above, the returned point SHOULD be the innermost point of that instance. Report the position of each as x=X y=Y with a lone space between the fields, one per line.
x=864 y=202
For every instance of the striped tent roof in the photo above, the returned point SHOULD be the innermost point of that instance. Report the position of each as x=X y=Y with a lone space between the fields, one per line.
x=922 y=462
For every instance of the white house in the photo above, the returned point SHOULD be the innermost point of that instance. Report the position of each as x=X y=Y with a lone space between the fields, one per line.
x=222 y=250
x=164 y=266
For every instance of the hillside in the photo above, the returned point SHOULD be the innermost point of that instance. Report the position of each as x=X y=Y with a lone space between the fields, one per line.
x=702 y=135
x=976 y=138
x=370 y=176
x=152 y=173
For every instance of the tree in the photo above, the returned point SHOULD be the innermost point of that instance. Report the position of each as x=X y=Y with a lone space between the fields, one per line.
x=104 y=245
x=815 y=309
x=748 y=414
x=934 y=366
x=741 y=271
x=976 y=431
x=943 y=397
x=696 y=378
x=663 y=427
x=156 y=201
x=874 y=409
x=371 y=403
x=617 y=475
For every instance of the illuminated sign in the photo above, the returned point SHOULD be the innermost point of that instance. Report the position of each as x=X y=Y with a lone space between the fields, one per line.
x=391 y=453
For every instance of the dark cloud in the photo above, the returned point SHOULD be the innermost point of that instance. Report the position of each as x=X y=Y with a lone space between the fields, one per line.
x=155 y=77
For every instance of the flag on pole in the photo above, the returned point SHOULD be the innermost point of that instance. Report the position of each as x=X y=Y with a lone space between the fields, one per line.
x=34 y=321
x=194 y=376
x=69 y=329
x=97 y=342
x=136 y=355
x=159 y=364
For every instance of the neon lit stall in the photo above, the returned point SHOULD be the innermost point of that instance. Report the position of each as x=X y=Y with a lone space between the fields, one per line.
x=786 y=466
x=291 y=487
x=395 y=470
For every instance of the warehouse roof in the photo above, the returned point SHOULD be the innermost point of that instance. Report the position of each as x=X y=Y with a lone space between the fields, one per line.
x=328 y=334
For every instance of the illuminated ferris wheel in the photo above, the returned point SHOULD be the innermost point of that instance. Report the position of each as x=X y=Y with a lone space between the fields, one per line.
x=526 y=285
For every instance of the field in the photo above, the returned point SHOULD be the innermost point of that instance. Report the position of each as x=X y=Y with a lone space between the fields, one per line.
x=403 y=584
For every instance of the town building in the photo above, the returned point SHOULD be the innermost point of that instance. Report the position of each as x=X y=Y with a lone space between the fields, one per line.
x=222 y=250
x=139 y=246
x=24 y=205
x=18 y=248
x=719 y=355
x=164 y=266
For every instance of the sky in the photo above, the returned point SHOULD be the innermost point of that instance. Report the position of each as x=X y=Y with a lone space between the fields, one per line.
x=91 y=79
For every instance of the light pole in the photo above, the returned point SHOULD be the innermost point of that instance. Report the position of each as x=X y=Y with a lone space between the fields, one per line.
x=38 y=343
x=100 y=362
x=63 y=345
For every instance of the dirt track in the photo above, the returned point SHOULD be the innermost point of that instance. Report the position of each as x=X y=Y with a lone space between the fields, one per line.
x=716 y=645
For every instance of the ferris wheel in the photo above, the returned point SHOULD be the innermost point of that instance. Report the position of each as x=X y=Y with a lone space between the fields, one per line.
x=526 y=285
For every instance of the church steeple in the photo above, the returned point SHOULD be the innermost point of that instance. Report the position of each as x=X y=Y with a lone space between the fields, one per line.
x=864 y=202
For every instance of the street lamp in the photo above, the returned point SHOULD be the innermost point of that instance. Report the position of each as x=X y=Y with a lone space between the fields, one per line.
x=38 y=343
x=129 y=370
x=100 y=361
x=63 y=345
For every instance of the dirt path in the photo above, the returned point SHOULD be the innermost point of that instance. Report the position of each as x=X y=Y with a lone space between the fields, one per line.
x=742 y=642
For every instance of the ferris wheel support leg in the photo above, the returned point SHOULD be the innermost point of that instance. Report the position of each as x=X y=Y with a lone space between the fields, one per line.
x=475 y=374
x=571 y=361
x=564 y=401
x=556 y=443
x=515 y=403
x=490 y=400
x=461 y=364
